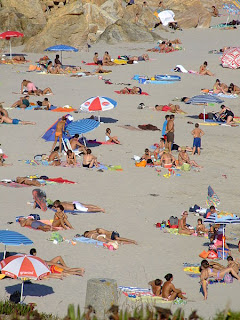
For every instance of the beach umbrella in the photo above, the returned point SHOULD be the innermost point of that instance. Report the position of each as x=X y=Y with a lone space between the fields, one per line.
x=223 y=218
x=49 y=135
x=21 y=266
x=81 y=126
x=98 y=104
x=13 y=238
x=232 y=8
x=8 y=35
x=231 y=58
x=61 y=48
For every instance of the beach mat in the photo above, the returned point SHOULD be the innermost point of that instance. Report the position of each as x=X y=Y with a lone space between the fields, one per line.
x=60 y=180
x=88 y=241
x=13 y=184
x=141 y=294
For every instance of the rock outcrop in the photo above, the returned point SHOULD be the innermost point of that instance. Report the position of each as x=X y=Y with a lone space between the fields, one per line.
x=125 y=31
x=67 y=25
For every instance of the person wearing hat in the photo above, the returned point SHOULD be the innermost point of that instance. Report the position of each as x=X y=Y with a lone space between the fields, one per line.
x=182 y=225
x=183 y=157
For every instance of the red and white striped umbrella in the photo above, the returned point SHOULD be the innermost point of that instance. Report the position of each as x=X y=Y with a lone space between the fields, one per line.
x=98 y=104
x=231 y=58
x=24 y=266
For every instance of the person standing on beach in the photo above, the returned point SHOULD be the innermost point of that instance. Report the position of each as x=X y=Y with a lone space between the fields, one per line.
x=170 y=132
x=59 y=133
x=197 y=134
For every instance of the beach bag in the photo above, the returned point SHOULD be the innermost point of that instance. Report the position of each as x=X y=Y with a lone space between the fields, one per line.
x=186 y=167
x=173 y=222
x=142 y=163
x=212 y=254
x=228 y=278
x=201 y=116
x=56 y=236
x=203 y=254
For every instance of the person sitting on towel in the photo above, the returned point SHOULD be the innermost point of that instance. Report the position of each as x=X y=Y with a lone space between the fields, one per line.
x=76 y=205
x=57 y=62
x=61 y=219
x=54 y=157
x=183 y=157
x=107 y=236
x=149 y=157
x=23 y=103
x=71 y=158
x=233 y=89
x=107 y=61
x=167 y=159
x=226 y=114
x=89 y=160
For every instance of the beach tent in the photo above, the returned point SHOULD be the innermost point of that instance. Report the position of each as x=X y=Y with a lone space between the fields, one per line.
x=98 y=104
x=24 y=267
x=13 y=238
x=61 y=48
x=8 y=35
x=223 y=218
x=231 y=58
x=49 y=135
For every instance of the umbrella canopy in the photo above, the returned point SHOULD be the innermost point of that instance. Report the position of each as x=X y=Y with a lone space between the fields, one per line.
x=81 y=126
x=49 y=135
x=98 y=104
x=231 y=58
x=24 y=266
x=12 y=238
x=61 y=48
x=232 y=8
x=223 y=218
x=8 y=35
x=204 y=99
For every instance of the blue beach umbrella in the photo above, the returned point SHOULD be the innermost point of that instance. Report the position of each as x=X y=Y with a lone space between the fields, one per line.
x=13 y=238
x=81 y=126
x=61 y=48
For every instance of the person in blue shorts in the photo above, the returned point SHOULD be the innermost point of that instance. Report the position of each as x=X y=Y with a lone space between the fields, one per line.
x=4 y=119
x=197 y=134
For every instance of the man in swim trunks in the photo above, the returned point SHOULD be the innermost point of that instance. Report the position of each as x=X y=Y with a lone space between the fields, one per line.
x=107 y=236
x=169 y=291
x=59 y=133
x=89 y=160
x=75 y=205
x=4 y=119
x=167 y=160
x=75 y=144
x=35 y=224
x=170 y=132
x=197 y=135
x=22 y=103
x=170 y=107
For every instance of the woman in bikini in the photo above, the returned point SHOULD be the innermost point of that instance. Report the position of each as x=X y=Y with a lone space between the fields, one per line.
x=207 y=272
x=220 y=87
x=71 y=158
x=107 y=236
x=226 y=114
x=60 y=219
x=54 y=157
x=134 y=90
x=204 y=71
x=233 y=89
x=59 y=133
x=109 y=138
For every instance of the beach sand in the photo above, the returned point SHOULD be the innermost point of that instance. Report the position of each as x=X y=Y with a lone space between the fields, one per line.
x=130 y=209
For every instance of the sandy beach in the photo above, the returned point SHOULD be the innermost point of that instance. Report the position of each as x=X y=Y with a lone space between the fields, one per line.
x=125 y=195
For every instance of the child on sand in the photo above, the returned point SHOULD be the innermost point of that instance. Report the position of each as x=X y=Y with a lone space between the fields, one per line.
x=197 y=134
x=200 y=228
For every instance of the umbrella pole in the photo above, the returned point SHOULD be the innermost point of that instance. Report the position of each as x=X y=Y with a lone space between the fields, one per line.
x=61 y=57
x=84 y=140
x=99 y=119
x=4 y=254
x=223 y=240
x=21 y=298
x=204 y=113
x=10 y=48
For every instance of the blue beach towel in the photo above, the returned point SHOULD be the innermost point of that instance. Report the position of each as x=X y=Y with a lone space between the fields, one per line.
x=87 y=240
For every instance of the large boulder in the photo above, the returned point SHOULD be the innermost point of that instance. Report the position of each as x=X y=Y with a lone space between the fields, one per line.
x=144 y=15
x=31 y=9
x=113 y=8
x=67 y=25
x=126 y=31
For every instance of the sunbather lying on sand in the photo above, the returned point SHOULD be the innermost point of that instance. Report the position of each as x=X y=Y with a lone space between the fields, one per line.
x=75 y=205
x=156 y=286
x=23 y=103
x=207 y=272
x=61 y=219
x=204 y=71
x=170 y=107
x=233 y=89
x=31 y=89
x=182 y=225
x=54 y=157
x=4 y=119
x=167 y=159
x=3 y=112
x=110 y=138
x=107 y=236
x=89 y=160
x=134 y=90
x=100 y=68
x=35 y=224
x=45 y=103
x=183 y=157
x=169 y=291
x=28 y=181
x=143 y=57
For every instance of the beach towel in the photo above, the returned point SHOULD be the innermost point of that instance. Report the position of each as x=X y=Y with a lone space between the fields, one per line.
x=90 y=64
x=182 y=69
x=136 y=294
x=62 y=109
x=61 y=180
x=88 y=241
x=129 y=127
x=65 y=165
x=143 y=93
x=92 y=143
x=13 y=184
x=148 y=127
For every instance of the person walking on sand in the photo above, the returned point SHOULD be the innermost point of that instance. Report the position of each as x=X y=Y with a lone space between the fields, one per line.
x=204 y=71
x=169 y=291
x=59 y=133
x=197 y=135
x=170 y=132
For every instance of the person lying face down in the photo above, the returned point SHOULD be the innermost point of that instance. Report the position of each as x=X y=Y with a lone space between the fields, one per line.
x=107 y=236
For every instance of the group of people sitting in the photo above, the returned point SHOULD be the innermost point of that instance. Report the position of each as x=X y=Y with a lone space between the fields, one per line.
x=108 y=61
x=220 y=87
x=166 y=46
